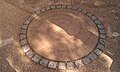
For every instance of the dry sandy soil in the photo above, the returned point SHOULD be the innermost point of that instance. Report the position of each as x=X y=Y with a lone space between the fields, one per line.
x=14 y=12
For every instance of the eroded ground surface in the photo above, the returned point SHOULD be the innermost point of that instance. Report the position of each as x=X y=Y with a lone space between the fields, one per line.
x=14 y=12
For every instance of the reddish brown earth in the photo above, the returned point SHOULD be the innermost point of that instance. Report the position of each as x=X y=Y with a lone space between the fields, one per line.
x=14 y=12
x=62 y=35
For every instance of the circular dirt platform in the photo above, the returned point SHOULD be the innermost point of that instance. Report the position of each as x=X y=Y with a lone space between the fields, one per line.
x=62 y=36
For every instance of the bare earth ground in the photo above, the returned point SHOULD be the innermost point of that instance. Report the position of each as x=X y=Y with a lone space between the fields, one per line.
x=14 y=12
x=62 y=35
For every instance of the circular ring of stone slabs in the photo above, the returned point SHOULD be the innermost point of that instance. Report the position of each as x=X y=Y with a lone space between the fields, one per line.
x=61 y=64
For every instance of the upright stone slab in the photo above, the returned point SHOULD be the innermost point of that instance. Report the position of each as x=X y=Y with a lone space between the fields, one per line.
x=52 y=64
x=26 y=48
x=44 y=62
x=86 y=60
x=36 y=58
x=62 y=65
x=79 y=63
x=30 y=54
x=70 y=65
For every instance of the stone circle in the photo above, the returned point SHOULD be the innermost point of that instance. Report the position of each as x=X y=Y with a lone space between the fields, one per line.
x=54 y=64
